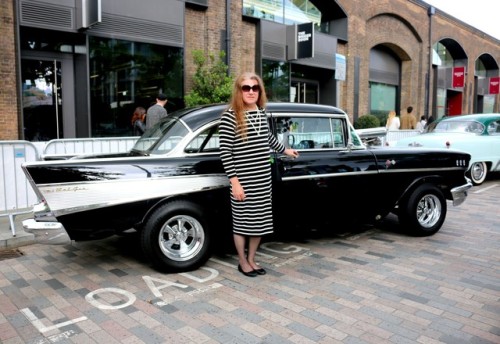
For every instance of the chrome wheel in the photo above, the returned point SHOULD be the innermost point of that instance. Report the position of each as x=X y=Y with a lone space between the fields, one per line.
x=181 y=238
x=176 y=237
x=424 y=211
x=478 y=172
x=429 y=211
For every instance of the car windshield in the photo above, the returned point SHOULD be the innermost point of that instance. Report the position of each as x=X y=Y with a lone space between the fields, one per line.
x=162 y=138
x=457 y=127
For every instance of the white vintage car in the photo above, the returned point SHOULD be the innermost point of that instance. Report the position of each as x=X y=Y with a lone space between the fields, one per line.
x=476 y=134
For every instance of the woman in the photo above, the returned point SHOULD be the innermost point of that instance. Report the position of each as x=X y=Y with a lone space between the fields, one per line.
x=245 y=141
x=393 y=122
x=138 y=119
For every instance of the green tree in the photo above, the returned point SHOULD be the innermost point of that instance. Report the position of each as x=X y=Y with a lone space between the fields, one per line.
x=211 y=84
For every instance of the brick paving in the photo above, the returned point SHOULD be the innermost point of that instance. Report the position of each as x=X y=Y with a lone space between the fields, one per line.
x=372 y=286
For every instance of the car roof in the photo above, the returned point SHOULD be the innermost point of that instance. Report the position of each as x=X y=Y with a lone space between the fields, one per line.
x=197 y=116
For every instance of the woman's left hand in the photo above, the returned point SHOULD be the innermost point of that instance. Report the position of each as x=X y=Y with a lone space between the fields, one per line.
x=291 y=152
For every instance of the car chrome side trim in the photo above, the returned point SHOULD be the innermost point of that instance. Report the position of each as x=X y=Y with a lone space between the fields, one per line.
x=76 y=197
x=434 y=169
x=342 y=174
x=328 y=175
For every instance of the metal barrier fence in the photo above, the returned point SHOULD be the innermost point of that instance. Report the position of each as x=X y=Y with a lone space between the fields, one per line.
x=16 y=194
x=63 y=148
x=393 y=136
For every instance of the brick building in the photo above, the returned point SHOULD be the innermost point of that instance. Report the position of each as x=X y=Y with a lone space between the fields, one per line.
x=74 y=68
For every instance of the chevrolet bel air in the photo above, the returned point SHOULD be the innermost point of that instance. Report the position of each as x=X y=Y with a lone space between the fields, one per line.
x=171 y=188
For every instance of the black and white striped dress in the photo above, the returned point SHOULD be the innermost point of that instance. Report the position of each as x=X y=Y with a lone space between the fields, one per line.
x=250 y=161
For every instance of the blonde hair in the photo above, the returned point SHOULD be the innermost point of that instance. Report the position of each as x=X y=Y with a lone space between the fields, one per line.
x=238 y=105
x=390 y=117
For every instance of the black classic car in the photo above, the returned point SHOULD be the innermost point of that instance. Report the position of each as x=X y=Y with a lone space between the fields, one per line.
x=171 y=187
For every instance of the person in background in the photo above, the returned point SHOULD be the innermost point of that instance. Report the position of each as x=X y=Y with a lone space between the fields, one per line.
x=408 y=121
x=392 y=121
x=429 y=120
x=421 y=124
x=245 y=143
x=138 y=121
x=157 y=111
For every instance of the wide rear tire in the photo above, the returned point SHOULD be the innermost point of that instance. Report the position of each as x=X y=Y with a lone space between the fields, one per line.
x=176 y=237
x=424 y=212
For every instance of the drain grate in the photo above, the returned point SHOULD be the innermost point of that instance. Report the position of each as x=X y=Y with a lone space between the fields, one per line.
x=10 y=253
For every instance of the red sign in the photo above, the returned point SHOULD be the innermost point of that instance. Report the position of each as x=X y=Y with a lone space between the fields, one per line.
x=494 y=85
x=458 y=76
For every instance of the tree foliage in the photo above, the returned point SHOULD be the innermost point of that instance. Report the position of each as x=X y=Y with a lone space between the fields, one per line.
x=211 y=84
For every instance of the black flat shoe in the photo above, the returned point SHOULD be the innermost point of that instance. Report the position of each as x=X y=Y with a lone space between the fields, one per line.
x=260 y=271
x=252 y=273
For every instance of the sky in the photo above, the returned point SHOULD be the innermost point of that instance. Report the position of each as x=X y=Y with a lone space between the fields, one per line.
x=481 y=14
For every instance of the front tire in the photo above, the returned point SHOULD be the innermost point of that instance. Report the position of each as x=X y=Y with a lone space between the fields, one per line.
x=176 y=237
x=424 y=212
x=478 y=172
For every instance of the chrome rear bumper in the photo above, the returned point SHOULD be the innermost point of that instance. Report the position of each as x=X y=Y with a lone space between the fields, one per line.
x=459 y=194
x=46 y=232
x=44 y=226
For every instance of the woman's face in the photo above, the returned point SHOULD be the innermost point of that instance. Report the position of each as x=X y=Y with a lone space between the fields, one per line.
x=250 y=89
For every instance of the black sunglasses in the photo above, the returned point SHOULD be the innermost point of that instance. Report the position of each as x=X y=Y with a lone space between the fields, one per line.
x=247 y=88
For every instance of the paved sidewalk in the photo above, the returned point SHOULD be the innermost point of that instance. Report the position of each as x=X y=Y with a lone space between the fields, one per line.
x=375 y=286
x=21 y=238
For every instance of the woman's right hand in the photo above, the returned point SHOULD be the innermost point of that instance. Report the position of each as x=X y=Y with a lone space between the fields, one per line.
x=237 y=189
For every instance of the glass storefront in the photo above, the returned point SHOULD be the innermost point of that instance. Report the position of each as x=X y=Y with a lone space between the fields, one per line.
x=42 y=99
x=48 y=85
x=124 y=75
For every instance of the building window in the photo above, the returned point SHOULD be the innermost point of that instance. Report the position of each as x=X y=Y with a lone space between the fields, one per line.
x=124 y=75
x=385 y=75
x=276 y=77
x=382 y=100
x=286 y=12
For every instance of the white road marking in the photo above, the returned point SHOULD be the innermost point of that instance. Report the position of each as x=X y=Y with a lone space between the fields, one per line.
x=41 y=327
x=486 y=188
x=90 y=298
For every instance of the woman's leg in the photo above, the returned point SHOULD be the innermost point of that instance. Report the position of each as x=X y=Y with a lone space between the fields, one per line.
x=239 y=243
x=253 y=245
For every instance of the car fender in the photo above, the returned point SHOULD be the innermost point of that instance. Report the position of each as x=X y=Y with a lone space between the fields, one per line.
x=433 y=179
x=212 y=207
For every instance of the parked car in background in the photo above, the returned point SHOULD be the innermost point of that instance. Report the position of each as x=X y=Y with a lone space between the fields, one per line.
x=172 y=189
x=476 y=134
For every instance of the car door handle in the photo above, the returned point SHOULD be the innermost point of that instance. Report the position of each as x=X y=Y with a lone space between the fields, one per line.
x=286 y=158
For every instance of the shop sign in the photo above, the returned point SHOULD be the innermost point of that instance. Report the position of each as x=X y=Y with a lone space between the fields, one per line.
x=494 y=85
x=458 y=77
x=300 y=41
x=305 y=40
x=340 y=67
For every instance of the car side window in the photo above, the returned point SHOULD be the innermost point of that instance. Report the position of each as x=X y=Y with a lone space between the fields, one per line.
x=494 y=128
x=308 y=132
x=206 y=142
